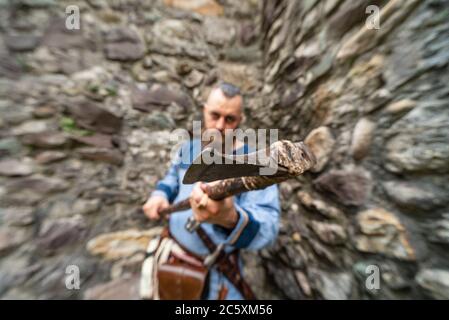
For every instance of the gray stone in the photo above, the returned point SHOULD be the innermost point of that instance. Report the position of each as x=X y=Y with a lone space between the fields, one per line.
x=47 y=280
x=256 y=276
x=17 y=216
x=36 y=3
x=90 y=116
x=435 y=282
x=183 y=68
x=244 y=75
x=244 y=54
x=394 y=277
x=15 y=168
x=332 y=286
x=219 y=31
x=415 y=196
x=22 y=42
x=247 y=34
x=293 y=256
x=9 y=66
x=367 y=38
x=400 y=106
x=127 y=267
x=193 y=79
x=418 y=140
x=177 y=37
x=142 y=74
x=119 y=289
x=60 y=232
x=122 y=244
x=158 y=95
x=96 y=140
x=60 y=208
x=82 y=206
x=15 y=270
x=37 y=183
x=204 y=7
x=438 y=230
x=159 y=120
x=349 y=186
x=112 y=156
x=32 y=127
x=389 y=274
x=320 y=206
x=45 y=139
x=12 y=237
x=303 y=283
x=109 y=196
x=124 y=44
x=46 y=157
x=9 y=146
x=329 y=233
x=321 y=142
x=362 y=137
x=381 y=232
x=43 y=112
x=59 y=37
x=285 y=280
x=98 y=4
x=13 y=115
x=323 y=252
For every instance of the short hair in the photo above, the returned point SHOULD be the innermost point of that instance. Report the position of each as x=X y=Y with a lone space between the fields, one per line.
x=229 y=90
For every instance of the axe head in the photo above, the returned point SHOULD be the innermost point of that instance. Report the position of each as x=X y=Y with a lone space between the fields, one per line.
x=282 y=158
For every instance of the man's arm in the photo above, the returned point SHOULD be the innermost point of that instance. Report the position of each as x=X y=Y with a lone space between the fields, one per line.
x=258 y=223
x=168 y=187
x=165 y=192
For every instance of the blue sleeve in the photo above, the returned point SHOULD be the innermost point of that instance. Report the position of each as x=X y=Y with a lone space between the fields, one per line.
x=168 y=187
x=258 y=223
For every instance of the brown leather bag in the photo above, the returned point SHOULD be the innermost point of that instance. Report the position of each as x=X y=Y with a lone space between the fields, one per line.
x=182 y=277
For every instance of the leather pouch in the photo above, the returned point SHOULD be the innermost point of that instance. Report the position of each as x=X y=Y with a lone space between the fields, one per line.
x=181 y=277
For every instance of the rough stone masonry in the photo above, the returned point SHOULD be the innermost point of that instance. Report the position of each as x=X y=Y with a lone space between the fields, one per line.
x=85 y=129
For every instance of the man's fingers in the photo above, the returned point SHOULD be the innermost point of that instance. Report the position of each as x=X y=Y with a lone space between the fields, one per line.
x=203 y=201
x=164 y=205
x=153 y=206
x=151 y=211
x=200 y=215
x=146 y=210
x=197 y=193
x=154 y=213
x=200 y=198
x=203 y=187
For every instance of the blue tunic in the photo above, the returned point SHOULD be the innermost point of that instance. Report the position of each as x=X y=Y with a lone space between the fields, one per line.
x=256 y=228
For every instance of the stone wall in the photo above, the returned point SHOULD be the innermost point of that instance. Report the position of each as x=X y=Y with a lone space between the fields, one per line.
x=374 y=106
x=85 y=126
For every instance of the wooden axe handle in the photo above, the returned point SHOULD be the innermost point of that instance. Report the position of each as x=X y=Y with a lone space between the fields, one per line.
x=227 y=188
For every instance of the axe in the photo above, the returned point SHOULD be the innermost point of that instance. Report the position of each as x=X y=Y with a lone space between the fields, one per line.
x=283 y=160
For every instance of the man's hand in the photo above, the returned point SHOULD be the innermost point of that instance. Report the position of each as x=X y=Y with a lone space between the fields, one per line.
x=205 y=209
x=153 y=206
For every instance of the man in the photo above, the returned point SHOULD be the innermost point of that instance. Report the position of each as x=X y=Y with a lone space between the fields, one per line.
x=247 y=221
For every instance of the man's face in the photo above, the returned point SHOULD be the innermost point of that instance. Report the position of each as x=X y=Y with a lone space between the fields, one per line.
x=222 y=113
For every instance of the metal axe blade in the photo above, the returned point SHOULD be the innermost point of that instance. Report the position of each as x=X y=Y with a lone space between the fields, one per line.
x=282 y=157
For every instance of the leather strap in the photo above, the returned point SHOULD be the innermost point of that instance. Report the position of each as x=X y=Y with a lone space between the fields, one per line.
x=223 y=292
x=228 y=265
